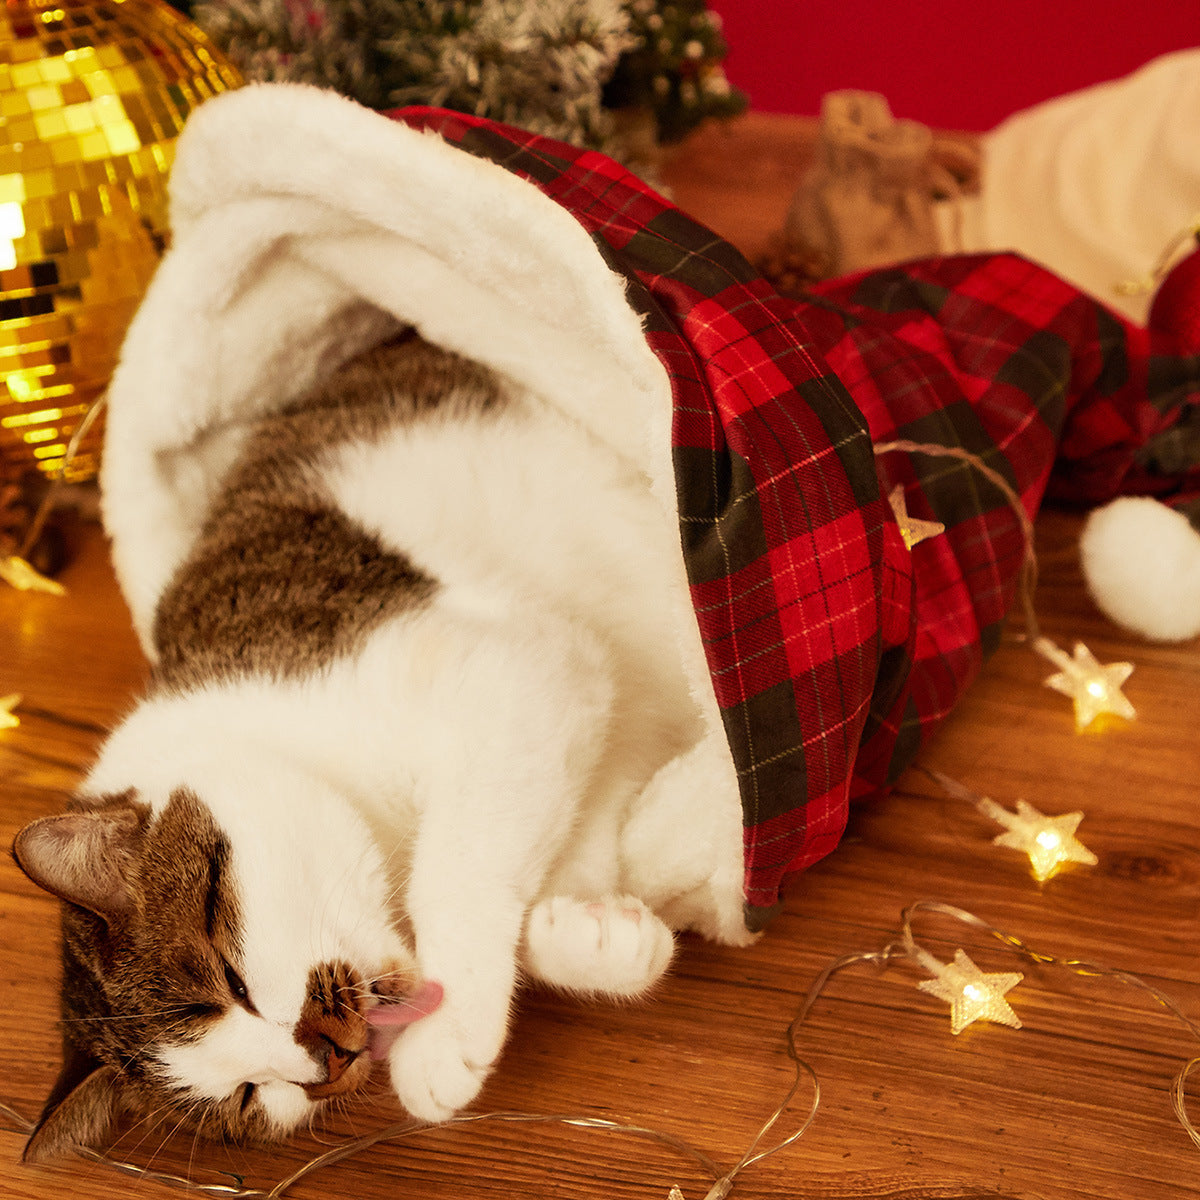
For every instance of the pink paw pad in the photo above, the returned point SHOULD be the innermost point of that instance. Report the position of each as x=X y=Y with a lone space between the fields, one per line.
x=600 y=910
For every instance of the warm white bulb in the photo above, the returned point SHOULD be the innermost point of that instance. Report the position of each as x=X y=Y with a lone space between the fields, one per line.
x=972 y=995
x=1049 y=841
x=1094 y=687
x=15 y=571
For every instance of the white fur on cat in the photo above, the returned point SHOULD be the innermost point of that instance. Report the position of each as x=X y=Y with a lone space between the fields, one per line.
x=348 y=800
x=304 y=228
x=470 y=769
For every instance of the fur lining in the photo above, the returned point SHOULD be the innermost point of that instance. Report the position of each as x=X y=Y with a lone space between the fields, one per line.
x=306 y=228
x=302 y=223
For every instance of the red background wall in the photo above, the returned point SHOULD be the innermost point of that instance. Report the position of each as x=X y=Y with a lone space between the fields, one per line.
x=957 y=64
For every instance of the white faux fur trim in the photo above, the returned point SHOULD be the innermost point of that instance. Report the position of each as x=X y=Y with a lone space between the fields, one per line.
x=299 y=219
x=1142 y=564
x=305 y=228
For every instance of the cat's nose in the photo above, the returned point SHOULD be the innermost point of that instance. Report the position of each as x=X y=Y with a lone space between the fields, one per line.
x=333 y=1030
x=337 y=1059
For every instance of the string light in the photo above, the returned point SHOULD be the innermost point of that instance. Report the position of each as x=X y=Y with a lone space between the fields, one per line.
x=15 y=569
x=18 y=573
x=1094 y=687
x=1050 y=842
x=912 y=529
x=972 y=995
x=1149 y=282
x=977 y=995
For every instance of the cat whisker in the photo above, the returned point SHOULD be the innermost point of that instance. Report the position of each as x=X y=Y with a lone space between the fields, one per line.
x=366 y=982
x=186 y=1117
x=313 y=1117
x=400 y=888
x=335 y=892
x=150 y=1122
x=191 y=1158
x=159 y=1036
x=131 y=1016
x=350 y=874
x=400 y=1002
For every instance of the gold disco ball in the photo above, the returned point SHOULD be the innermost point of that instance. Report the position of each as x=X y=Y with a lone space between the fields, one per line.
x=93 y=94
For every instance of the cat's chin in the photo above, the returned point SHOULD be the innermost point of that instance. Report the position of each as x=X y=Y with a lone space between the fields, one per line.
x=257 y=1114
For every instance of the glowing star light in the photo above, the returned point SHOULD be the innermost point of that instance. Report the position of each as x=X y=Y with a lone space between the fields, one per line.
x=972 y=995
x=912 y=529
x=1094 y=688
x=25 y=578
x=8 y=719
x=1049 y=841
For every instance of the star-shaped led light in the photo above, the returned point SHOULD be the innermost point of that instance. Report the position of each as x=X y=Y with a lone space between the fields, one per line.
x=912 y=529
x=1049 y=841
x=1095 y=688
x=9 y=719
x=972 y=995
x=15 y=571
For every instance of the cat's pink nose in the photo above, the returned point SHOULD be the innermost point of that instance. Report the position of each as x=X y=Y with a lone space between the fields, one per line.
x=337 y=1060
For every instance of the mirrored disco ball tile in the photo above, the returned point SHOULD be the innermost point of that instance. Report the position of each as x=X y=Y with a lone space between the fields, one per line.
x=92 y=98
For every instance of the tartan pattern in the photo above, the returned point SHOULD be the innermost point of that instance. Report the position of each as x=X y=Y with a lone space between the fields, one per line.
x=833 y=650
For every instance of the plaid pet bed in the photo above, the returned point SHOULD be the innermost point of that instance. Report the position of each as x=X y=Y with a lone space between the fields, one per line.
x=834 y=650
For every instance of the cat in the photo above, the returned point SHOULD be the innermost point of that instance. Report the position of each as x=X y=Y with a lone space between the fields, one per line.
x=380 y=769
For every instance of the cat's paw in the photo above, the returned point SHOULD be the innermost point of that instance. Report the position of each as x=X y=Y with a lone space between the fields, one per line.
x=437 y=1067
x=615 y=946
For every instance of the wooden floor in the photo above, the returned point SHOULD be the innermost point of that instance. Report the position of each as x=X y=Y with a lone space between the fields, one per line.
x=1074 y=1105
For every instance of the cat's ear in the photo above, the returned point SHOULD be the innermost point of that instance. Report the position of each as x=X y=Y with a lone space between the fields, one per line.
x=85 y=857
x=81 y=1111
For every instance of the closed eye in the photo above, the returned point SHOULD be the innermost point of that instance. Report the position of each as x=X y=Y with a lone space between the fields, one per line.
x=237 y=988
x=199 y=1012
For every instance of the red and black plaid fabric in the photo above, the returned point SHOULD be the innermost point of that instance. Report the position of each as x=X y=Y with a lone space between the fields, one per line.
x=833 y=649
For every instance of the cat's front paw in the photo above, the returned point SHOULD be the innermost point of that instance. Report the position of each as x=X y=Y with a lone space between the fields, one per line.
x=615 y=946
x=437 y=1068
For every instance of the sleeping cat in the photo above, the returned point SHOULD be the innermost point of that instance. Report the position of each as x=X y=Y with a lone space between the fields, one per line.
x=381 y=767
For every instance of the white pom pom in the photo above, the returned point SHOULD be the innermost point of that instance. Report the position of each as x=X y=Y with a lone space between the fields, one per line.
x=1141 y=560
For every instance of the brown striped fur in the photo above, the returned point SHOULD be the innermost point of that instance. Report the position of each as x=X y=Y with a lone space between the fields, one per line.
x=279 y=581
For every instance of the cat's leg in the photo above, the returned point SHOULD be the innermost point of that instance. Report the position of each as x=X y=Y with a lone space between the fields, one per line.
x=681 y=848
x=439 y=1063
x=515 y=724
x=615 y=946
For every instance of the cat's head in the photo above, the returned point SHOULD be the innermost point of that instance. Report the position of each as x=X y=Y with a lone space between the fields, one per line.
x=220 y=958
